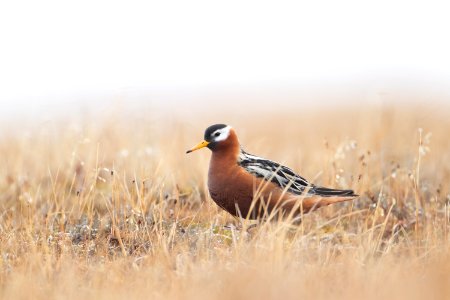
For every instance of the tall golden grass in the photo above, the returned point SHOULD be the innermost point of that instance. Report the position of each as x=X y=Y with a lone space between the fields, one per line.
x=110 y=207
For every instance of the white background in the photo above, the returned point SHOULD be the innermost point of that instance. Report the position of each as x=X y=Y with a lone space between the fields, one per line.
x=56 y=51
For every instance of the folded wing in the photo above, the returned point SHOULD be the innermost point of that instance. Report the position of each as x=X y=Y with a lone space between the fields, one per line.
x=285 y=178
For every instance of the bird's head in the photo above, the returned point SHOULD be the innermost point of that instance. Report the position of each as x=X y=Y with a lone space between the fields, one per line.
x=216 y=136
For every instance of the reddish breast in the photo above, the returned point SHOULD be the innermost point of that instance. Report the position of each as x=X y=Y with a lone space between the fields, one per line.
x=233 y=188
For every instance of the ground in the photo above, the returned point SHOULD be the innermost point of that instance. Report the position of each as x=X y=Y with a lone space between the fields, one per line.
x=110 y=207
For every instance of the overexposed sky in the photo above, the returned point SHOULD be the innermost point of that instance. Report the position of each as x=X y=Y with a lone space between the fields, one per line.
x=51 y=48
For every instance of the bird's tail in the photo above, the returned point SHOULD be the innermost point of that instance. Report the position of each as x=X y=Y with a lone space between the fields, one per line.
x=326 y=192
x=325 y=196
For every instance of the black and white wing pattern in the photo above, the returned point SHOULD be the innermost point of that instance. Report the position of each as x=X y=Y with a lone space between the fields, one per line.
x=285 y=178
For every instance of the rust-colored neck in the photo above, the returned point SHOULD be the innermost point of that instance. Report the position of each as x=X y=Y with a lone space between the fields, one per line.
x=227 y=150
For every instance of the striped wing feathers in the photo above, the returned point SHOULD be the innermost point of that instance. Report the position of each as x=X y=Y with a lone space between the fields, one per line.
x=286 y=178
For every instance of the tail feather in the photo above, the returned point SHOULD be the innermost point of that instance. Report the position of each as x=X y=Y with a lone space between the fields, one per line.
x=314 y=203
x=326 y=196
x=326 y=192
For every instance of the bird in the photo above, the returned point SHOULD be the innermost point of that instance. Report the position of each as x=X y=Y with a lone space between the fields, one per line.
x=248 y=186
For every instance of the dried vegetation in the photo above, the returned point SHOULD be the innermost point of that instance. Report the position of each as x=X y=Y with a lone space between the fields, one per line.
x=111 y=207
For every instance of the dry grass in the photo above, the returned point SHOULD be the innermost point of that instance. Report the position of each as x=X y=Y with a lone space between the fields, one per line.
x=111 y=208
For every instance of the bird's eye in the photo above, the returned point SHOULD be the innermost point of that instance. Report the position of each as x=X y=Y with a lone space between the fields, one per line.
x=217 y=134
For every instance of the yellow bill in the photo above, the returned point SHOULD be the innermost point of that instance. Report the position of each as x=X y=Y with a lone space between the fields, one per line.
x=201 y=145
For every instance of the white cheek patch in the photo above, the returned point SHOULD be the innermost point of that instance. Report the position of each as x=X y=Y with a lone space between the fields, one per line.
x=224 y=134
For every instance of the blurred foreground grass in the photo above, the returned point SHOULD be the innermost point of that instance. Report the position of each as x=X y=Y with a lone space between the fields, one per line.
x=111 y=207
